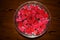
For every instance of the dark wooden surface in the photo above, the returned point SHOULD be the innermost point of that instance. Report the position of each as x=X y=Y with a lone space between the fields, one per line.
x=7 y=26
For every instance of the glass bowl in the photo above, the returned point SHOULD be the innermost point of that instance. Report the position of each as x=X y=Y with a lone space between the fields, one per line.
x=31 y=19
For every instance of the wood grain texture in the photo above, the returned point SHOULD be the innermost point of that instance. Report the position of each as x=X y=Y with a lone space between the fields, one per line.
x=7 y=26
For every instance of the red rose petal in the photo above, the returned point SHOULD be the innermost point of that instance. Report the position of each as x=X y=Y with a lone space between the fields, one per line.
x=30 y=14
x=21 y=28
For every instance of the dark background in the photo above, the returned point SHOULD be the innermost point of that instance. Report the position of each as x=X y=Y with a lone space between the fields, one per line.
x=7 y=26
